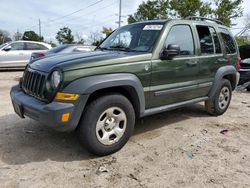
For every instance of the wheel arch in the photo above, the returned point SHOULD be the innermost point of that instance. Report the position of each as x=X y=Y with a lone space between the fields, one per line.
x=226 y=72
x=124 y=83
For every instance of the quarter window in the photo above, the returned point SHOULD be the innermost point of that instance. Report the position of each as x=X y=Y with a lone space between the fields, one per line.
x=182 y=36
x=228 y=41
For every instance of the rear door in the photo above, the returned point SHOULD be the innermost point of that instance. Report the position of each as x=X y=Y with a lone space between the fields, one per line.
x=211 y=56
x=175 y=80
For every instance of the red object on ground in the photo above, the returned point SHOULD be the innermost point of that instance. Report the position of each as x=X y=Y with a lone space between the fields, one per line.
x=225 y=132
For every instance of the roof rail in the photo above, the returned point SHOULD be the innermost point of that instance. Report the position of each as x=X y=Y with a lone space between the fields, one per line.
x=203 y=19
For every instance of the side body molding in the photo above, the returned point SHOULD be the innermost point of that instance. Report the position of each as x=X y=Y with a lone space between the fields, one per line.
x=88 y=85
x=228 y=70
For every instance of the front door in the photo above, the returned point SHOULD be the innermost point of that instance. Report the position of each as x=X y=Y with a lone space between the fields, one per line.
x=175 y=80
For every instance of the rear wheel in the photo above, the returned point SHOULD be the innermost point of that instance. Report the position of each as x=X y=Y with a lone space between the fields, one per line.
x=107 y=124
x=221 y=100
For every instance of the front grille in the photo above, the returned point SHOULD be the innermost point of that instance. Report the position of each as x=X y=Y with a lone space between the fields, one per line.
x=33 y=83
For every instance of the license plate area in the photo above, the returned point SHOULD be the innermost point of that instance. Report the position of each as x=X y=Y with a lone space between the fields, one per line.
x=18 y=109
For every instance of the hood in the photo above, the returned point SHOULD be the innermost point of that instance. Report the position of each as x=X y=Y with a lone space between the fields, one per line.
x=77 y=60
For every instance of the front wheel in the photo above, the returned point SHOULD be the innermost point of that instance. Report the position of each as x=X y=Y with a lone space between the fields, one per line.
x=107 y=124
x=221 y=100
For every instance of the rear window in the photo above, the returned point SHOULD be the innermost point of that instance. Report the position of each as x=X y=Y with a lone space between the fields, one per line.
x=228 y=41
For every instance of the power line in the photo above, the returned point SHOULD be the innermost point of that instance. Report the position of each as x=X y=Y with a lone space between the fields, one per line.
x=67 y=15
x=86 y=14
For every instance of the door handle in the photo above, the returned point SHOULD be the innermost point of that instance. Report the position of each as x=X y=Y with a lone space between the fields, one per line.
x=192 y=63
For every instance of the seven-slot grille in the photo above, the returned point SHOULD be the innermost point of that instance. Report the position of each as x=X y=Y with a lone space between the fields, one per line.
x=33 y=83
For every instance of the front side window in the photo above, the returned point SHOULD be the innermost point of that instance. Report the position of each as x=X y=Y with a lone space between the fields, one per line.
x=181 y=35
x=135 y=37
x=228 y=41
x=17 y=46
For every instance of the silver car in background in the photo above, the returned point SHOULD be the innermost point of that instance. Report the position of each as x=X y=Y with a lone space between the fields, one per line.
x=15 y=55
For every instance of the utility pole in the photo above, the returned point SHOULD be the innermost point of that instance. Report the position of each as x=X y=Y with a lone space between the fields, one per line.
x=40 y=28
x=120 y=14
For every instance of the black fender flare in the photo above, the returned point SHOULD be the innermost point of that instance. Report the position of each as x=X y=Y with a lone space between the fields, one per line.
x=222 y=72
x=88 y=85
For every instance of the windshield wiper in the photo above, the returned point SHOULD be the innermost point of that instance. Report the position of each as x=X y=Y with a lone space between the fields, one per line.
x=101 y=48
x=118 y=47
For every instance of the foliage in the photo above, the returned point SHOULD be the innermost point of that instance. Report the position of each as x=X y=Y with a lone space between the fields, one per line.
x=156 y=9
x=243 y=40
x=79 y=39
x=32 y=36
x=97 y=39
x=4 y=36
x=64 y=36
x=185 y=8
x=226 y=10
x=107 y=31
x=53 y=45
x=223 y=10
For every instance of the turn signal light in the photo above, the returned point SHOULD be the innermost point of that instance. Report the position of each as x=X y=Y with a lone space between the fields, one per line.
x=65 y=117
x=67 y=96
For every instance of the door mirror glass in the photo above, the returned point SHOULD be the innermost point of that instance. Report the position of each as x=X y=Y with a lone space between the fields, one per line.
x=8 y=48
x=171 y=51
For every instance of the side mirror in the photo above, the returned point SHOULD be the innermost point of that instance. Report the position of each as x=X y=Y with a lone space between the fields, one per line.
x=8 y=48
x=171 y=51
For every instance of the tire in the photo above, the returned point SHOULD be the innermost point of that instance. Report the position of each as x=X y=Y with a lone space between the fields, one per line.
x=219 y=103
x=107 y=124
x=248 y=88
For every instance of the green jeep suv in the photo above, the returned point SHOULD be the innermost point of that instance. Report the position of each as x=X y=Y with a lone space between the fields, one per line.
x=141 y=69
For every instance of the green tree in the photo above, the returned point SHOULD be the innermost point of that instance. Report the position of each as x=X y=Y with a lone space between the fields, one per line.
x=185 y=8
x=32 y=36
x=64 y=36
x=226 y=10
x=243 y=40
x=156 y=9
x=53 y=45
x=107 y=31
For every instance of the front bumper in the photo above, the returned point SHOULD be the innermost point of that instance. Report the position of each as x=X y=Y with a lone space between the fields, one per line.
x=48 y=114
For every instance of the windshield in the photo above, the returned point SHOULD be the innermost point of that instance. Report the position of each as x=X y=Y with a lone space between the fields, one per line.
x=136 y=37
x=2 y=45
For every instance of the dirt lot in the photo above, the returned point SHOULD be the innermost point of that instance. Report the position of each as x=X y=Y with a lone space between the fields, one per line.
x=181 y=148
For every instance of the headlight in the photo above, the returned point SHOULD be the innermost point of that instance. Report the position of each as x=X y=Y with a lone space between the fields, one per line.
x=56 y=78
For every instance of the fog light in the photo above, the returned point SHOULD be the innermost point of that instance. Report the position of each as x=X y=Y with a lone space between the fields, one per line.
x=65 y=117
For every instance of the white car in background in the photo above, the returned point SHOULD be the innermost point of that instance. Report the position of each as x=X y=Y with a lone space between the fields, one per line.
x=15 y=55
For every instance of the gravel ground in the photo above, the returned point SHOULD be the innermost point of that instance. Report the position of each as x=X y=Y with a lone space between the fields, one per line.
x=180 y=148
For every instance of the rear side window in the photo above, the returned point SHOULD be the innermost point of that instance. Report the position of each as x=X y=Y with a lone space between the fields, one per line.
x=228 y=41
x=34 y=46
x=215 y=40
x=206 y=40
x=182 y=36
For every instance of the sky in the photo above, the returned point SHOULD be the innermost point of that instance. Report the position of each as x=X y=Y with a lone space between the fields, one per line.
x=83 y=17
